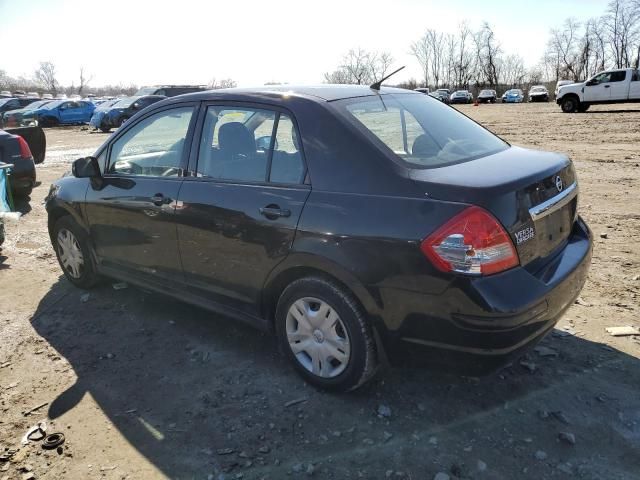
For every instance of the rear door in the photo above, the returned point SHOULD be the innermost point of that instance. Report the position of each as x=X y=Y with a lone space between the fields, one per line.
x=238 y=211
x=131 y=212
x=619 y=85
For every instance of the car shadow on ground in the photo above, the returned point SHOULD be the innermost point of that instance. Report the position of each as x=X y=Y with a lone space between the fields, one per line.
x=202 y=395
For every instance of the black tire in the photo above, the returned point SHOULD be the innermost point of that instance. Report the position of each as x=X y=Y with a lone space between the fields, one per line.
x=22 y=192
x=48 y=122
x=88 y=276
x=105 y=129
x=363 y=359
x=570 y=104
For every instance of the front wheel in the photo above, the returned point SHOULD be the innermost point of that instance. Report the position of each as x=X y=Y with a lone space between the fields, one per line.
x=569 y=105
x=71 y=245
x=324 y=332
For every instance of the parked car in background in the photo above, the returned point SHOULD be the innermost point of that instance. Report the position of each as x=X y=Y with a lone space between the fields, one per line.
x=562 y=83
x=169 y=90
x=15 y=150
x=538 y=93
x=33 y=94
x=122 y=110
x=424 y=90
x=611 y=86
x=5 y=94
x=515 y=95
x=442 y=96
x=47 y=96
x=243 y=201
x=461 y=96
x=14 y=117
x=487 y=96
x=60 y=112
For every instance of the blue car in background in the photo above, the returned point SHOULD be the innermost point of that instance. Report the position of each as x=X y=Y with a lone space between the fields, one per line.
x=515 y=95
x=100 y=111
x=122 y=111
x=60 y=112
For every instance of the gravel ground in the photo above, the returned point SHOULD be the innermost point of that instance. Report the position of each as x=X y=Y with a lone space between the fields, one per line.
x=148 y=388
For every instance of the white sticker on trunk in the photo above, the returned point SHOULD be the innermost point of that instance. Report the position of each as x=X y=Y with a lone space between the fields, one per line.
x=525 y=235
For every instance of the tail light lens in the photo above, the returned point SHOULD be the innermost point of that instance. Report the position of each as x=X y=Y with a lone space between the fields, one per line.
x=25 y=151
x=472 y=242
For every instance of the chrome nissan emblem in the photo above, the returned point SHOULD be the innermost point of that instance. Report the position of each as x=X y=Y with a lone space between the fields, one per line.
x=559 y=184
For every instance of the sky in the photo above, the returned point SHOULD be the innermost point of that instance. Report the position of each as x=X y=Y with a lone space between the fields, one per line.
x=251 y=41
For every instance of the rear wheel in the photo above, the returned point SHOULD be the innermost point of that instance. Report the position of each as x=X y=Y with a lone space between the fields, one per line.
x=48 y=122
x=72 y=249
x=324 y=332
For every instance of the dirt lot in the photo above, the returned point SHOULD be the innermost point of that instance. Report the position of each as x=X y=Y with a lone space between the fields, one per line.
x=144 y=387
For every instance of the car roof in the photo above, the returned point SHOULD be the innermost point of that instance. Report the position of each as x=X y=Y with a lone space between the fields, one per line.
x=326 y=93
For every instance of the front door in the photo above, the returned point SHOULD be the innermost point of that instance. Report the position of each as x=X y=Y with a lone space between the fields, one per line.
x=237 y=216
x=598 y=89
x=131 y=211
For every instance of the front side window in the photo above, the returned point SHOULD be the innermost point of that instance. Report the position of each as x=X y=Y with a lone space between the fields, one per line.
x=419 y=130
x=239 y=144
x=153 y=146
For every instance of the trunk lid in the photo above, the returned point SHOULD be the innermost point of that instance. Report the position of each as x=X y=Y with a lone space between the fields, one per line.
x=532 y=193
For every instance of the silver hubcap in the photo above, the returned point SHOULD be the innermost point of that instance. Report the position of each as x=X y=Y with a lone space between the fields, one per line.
x=317 y=337
x=70 y=253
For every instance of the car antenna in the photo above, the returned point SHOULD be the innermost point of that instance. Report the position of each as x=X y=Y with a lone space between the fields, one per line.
x=378 y=84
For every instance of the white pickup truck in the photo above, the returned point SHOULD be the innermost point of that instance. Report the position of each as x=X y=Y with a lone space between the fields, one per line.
x=611 y=86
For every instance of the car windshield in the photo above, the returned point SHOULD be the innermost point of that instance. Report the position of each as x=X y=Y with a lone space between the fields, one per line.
x=125 y=102
x=34 y=105
x=461 y=92
x=146 y=91
x=486 y=92
x=537 y=89
x=54 y=104
x=513 y=92
x=107 y=104
x=421 y=131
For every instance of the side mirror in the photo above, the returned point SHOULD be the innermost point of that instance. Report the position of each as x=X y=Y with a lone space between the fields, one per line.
x=86 y=167
x=136 y=106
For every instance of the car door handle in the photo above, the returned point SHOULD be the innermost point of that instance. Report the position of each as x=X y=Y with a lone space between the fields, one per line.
x=273 y=211
x=607 y=86
x=159 y=199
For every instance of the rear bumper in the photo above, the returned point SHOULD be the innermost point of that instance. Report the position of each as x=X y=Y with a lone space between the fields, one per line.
x=492 y=318
x=23 y=174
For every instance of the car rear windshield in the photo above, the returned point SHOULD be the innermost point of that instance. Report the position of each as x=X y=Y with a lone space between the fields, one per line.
x=421 y=131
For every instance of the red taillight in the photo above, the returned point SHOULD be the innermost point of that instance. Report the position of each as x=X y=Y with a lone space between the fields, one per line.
x=472 y=242
x=25 y=151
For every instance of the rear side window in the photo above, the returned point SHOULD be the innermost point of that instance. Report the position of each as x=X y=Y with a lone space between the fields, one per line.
x=247 y=144
x=421 y=131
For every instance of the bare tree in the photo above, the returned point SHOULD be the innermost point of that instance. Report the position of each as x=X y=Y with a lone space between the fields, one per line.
x=512 y=70
x=487 y=55
x=85 y=78
x=464 y=65
x=621 y=21
x=421 y=49
x=360 y=67
x=45 y=75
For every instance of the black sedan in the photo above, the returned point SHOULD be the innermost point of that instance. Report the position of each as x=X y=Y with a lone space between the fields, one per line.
x=487 y=96
x=351 y=221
